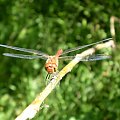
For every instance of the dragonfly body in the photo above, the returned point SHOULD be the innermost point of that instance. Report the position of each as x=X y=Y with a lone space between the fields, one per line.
x=51 y=64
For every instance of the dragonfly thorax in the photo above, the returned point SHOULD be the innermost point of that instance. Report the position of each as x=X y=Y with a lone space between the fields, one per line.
x=51 y=64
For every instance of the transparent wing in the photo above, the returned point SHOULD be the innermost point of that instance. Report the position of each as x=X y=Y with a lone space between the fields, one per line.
x=67 y=57
x=96 y=57
x=88 y=58
x=84 y=46
x=24 y=56
x=24 y=50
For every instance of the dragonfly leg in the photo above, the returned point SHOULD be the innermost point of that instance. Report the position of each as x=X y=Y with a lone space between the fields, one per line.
x=47 y=79
x=55 y=75
x=50 y=77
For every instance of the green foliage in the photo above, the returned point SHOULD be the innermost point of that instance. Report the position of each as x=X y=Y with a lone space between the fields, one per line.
x=91 y=91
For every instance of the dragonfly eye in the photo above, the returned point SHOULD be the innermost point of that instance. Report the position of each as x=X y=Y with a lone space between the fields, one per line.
x=55 y=69
x=49 y=67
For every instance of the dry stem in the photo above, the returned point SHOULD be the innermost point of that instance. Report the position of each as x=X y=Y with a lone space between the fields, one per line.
x=34 y=107
x=113 y=19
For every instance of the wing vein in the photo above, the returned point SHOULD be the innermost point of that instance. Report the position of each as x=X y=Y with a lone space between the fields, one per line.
x=24 y=56
x=24 y=50
x=84 y=46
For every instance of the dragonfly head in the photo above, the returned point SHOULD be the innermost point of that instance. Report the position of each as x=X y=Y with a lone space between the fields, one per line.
x=50 y=69
x=51 y=64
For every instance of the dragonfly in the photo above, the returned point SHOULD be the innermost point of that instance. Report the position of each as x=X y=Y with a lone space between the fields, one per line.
x=51 y=64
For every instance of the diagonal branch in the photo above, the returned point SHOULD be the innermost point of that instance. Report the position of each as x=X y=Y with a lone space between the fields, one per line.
x=34 y=107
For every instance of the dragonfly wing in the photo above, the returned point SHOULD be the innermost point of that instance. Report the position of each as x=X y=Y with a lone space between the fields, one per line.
x=84 y=46
x=88 y=58
x=24 y=56
x=96 y=57
x=24 y=50
x=67 y=57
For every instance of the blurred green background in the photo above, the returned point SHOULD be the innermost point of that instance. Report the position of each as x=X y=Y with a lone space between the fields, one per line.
x=91 y=91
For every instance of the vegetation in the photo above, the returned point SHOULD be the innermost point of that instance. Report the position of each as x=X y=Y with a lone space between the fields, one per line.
x=91 y=91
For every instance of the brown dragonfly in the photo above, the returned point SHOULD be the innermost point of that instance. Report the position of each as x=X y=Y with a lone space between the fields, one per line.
x=51 y=64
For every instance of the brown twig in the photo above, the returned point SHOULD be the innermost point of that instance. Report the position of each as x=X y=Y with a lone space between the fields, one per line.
x=34 y=107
